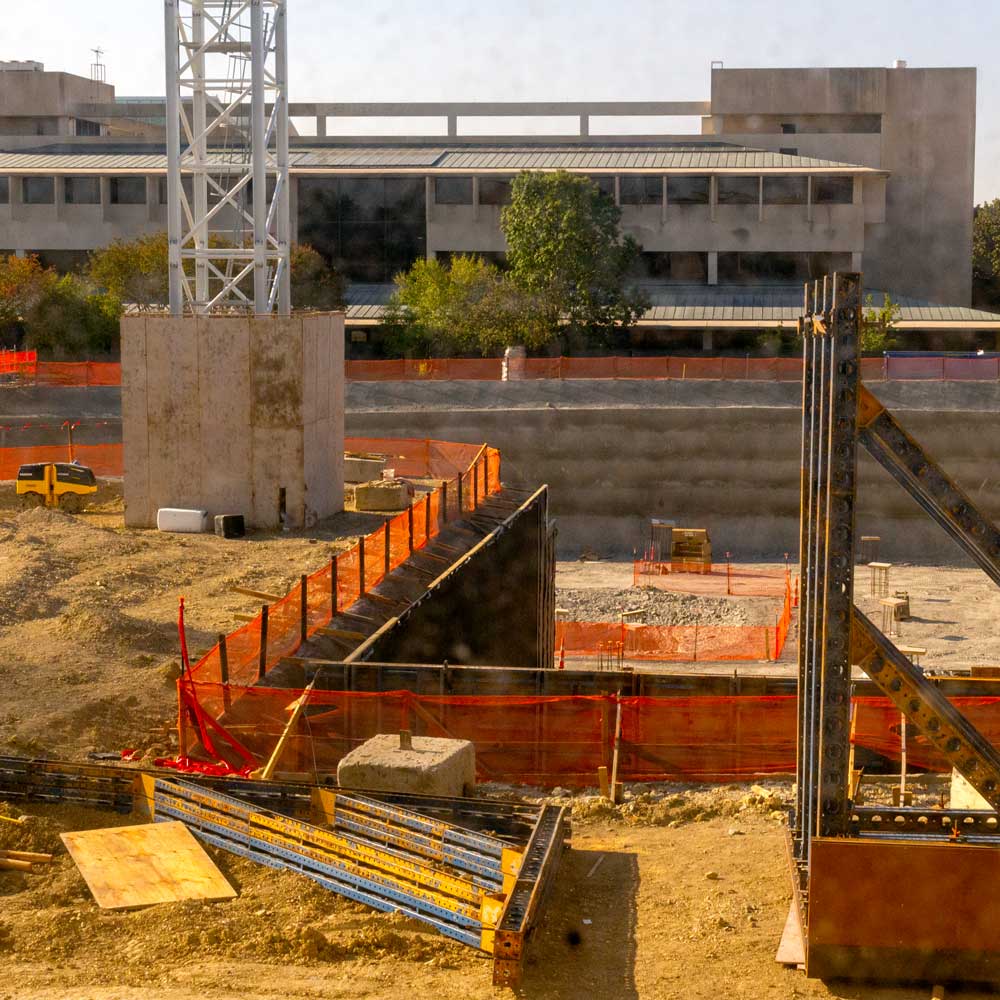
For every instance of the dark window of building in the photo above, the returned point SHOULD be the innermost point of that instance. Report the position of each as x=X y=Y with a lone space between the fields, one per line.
x=789 y=150
x=606 y=185
x=186 y=183
x=161 y=186
x=83 y=127
x=644 y=189
x=368 y=228
x=675 y=267
x=785 y=190
x=685 y=190
x=736 y=189
x=38 y=190
x=832 y=190
x=64 y=261
x=453 y=190
x=778 y=268
x=788 y=128
x=128 y=190
x=83 y=190
x=494 y=191
x=4 y=190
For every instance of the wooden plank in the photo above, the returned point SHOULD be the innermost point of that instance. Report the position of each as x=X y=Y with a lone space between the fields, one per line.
x=791 y=950
x=127 y=867
x=342 y=633
x=258 y=594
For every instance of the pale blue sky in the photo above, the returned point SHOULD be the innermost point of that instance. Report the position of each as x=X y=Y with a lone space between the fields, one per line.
x=397 y=50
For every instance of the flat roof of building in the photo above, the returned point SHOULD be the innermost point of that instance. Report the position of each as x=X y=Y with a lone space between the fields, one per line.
x=462 y=158
x=721 y=307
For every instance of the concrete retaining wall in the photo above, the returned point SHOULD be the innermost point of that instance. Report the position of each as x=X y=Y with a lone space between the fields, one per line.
x=724 y=456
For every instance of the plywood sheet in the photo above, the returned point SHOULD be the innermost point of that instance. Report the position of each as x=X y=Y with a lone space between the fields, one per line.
x=131 y=866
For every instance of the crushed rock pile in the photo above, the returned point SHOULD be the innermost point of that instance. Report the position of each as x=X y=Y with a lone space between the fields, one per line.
x=663 y=607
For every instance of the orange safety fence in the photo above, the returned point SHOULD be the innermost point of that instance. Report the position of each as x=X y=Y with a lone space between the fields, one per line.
x=671 y=643
x=17 y=362
x=244 y=656
x=789 y=369
x=549 y=740
x=103 y=459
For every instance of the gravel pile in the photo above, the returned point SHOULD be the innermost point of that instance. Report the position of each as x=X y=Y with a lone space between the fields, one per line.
x=663 y=607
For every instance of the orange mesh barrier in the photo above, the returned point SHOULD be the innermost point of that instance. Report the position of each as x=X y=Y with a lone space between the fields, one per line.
x=95 y=373
x=385 y=549
x=16 y=362
x=104 y=459
x=533 y=739
x=688 y=643
x=561 y=740
x=417 y=369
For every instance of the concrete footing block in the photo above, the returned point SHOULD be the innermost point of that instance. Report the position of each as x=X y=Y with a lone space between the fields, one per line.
x=426 y=765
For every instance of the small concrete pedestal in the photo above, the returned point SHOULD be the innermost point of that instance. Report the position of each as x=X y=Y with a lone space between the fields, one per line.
x=426 y=765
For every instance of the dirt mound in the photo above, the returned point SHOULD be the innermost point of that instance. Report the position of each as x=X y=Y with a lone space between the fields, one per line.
x=111 y=629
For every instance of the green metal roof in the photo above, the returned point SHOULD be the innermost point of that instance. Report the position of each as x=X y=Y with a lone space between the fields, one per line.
x=718 y=305
x=712 y=157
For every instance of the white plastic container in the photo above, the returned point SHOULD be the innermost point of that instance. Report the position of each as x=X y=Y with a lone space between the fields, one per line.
x=191 y=522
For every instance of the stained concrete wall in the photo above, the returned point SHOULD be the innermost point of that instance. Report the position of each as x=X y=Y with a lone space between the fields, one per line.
x=925 y=121
x=719 y=455
x=222 y=413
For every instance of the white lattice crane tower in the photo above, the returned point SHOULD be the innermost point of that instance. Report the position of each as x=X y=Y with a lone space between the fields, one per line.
x=227 y=130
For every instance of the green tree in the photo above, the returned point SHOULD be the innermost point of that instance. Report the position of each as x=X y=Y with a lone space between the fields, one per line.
x=315 y=285
x=133 y=271
x=23 y=281
x=566 y=249
x=986 y=253
x=70 y=320
x=466 y=305
x=136 y=272
x=877 y=323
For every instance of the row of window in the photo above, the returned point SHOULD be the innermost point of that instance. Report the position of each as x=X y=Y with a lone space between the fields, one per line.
x=647 y=189
x=80 y=190
x=690 y=267
x=367 y=199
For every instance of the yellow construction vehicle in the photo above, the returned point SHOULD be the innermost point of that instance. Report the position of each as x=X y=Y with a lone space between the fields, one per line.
x=55 y=484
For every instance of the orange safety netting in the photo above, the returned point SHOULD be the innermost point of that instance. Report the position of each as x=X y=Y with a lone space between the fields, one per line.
x=17 y=362
x=94 y=373
x=688 y=643
x=548 y=739
x=244 y=657
x=104 y=459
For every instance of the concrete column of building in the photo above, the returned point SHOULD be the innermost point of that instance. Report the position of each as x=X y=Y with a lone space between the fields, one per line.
x=663 y=201
x=59 y=195
x=760 y=198
x=105 y=197
x=429 y=199
x=857 y=196
x=809 y=198
x=452 y=125
x=152 y=198
x=706 y=340
x=618 y=190
x=475 y=198
x=584 y=125
x=321 y=126
x=713 y=191
x=713 y=267
x=856 y=260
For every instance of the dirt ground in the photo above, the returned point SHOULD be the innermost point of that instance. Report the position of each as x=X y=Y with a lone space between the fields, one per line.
x=680 y=893
x=88 y=616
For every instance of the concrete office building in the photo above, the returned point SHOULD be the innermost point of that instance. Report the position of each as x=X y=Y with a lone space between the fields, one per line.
x=795 y=172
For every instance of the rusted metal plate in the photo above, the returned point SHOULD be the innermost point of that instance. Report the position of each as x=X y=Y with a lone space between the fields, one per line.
x=901 y=910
